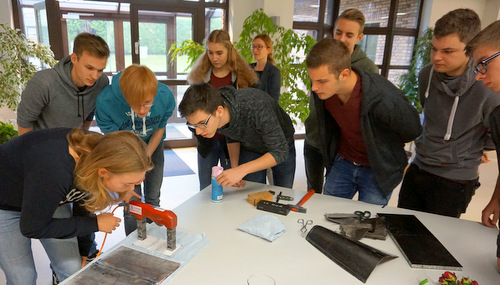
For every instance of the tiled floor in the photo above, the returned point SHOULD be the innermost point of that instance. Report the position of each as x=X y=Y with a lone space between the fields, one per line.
x=176 y=190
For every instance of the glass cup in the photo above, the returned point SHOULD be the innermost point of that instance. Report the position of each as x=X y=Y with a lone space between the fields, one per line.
x=260 y=279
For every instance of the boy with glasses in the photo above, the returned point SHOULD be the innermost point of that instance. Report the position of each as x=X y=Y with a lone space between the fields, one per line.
x=259 y=133
x=137 y=102
x=485 y=50
x=444 y=175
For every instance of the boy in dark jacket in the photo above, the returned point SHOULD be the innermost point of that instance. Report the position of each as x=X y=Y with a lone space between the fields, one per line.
x=349 y=30
x=259 y=133
x=364 y=122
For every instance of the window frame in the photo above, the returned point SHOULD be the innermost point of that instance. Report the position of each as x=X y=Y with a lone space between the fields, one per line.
x=391 y=31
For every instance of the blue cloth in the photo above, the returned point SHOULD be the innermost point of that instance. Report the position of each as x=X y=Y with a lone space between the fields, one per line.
x=264 y=226
x=16 y=258
x=113 y=112
x=345 y=179
x=283 y=173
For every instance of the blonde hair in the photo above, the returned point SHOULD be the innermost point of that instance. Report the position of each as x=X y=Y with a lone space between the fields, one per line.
x=269 y=43
x=245 y=76
x=137 y=83
x=118 y=152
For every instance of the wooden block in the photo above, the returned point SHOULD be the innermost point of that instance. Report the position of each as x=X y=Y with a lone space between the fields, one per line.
x=254 y=198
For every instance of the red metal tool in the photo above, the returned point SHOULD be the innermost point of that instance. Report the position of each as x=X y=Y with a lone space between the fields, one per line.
x=158 y=215
x=298 y=207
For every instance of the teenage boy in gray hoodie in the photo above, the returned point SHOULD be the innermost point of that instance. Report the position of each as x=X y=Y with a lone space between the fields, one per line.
x=349 y=30
x=444 y=175
x=485 y=50
x=65 y=96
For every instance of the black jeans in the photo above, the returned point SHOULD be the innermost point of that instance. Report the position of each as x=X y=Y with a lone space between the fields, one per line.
x=426 y=192
x=315 y=170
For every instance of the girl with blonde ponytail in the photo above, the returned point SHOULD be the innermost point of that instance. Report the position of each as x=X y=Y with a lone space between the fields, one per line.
x=42 y=173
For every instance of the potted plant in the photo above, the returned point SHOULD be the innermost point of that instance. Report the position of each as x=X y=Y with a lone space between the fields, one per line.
x=7 y=132
x=287 y=48
x=16 y=69
x=422 y=56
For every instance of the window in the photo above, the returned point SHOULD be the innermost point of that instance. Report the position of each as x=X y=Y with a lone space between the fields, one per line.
x=391 y=28
x=137 y=32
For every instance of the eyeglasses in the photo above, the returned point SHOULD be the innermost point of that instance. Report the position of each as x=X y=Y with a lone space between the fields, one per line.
x=147 y=105
x=204 y=125
x=257 y=47
x=481 y=66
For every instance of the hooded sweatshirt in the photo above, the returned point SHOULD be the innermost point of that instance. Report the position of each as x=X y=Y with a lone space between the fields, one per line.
x=257 y=122
x=113 y=113
x=51 y=99
x=456 y=128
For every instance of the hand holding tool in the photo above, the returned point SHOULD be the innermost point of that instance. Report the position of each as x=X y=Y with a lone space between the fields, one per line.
x=158 y=215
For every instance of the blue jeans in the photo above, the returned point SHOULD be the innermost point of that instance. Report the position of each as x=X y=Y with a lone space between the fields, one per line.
x=16 y=258
x=217 y=153
x=152 y=187
x=345 y=179
x=283 y=173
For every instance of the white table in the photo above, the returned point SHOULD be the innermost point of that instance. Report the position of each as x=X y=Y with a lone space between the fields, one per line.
x=232 y=255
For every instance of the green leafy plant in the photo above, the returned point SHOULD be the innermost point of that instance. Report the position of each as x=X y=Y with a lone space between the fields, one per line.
x=422 y=56
x=289 y=50
x=15 y=68
x=288 y=47
x=188 y=48
x=7 y=132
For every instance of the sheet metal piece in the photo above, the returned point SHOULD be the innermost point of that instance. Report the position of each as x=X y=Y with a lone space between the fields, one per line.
x=418 y=245
x=356 y=258
x=126 y=266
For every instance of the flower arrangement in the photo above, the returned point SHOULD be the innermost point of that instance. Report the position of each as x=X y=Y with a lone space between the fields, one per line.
x=450 y=278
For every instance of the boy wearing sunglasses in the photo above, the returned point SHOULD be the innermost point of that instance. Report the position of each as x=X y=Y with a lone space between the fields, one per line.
x=137 y=102
x=258 y=132
x=485 y=50
x=444 y=175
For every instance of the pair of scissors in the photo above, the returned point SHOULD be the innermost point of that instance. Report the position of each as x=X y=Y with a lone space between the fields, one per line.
x=304 y=225
x=363 y=215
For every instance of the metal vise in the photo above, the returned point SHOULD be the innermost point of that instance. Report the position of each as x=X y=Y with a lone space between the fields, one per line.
x=142 y=211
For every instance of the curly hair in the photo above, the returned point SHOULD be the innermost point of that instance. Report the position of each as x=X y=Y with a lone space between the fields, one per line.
x=245 y=76
x=118 y=152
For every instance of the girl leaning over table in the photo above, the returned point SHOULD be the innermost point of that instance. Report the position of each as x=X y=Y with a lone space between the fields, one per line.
x=52 y=183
